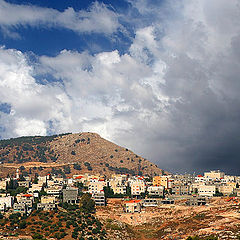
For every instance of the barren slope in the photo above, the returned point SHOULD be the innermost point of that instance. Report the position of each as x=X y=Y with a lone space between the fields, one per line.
x=82 y=152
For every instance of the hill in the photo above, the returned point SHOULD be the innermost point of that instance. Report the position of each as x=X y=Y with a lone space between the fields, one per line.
x=68 y=154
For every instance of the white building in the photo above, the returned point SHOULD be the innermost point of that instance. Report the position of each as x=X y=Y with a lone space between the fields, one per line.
x=7 y=200
x=96 y=186
x=156 y=190
x=3 y=185
x=207 y=190
x=137 y=187
x=214 y=175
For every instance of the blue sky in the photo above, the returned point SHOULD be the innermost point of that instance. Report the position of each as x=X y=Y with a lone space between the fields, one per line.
x=159 y=77
x=55 y=39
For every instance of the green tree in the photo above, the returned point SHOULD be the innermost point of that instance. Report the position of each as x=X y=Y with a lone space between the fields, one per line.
x=87 y=204
x=108 y=192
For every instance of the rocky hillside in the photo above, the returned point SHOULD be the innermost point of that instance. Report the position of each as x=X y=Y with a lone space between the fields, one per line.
x=69 y=154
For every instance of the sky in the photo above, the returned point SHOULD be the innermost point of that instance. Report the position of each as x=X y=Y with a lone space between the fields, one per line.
x=161 y=77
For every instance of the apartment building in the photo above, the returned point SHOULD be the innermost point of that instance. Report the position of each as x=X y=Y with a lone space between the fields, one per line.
x=54 y=190
x=181 y=189
x=96 y=186
x=137 y=187
x=207 y=190
x=118 y=185
x=70 y=195
x=226 y=189
x=156 y=191
x=161 y=181
x=214 y=175
x=99 y=199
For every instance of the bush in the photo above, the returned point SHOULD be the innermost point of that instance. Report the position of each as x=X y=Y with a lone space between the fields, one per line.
x=22 y=224
x=37 y=236
x=77 y=166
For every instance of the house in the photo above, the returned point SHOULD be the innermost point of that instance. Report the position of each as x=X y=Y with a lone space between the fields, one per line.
x=167 y=201
x=132 y=206
x=3 y=207
x=36 y=187
x=70 y=195
x=26 y=199
x=237 y=191
x=46 y=206
x=118 y=185
x=48 y=199
x=99 y=199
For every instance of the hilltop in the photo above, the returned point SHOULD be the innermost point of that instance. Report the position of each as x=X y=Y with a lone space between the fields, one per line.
x=68 y=154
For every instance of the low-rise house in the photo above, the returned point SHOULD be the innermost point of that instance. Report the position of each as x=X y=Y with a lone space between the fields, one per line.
x=99 y=199
x=26 y=199
x=156 y=191
x=132 y=206
x=70 y=195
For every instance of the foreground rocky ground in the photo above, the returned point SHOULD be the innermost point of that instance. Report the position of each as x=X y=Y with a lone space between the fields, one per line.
x=220 y=218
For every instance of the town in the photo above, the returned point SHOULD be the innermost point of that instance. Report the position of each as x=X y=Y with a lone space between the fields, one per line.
x=18 y=193
x=22 y=195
